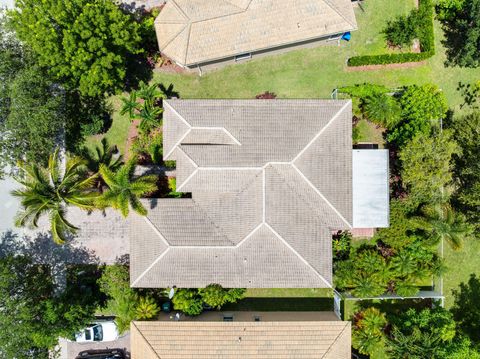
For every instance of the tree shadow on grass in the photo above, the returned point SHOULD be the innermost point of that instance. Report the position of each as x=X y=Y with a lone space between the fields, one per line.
x=466 y=308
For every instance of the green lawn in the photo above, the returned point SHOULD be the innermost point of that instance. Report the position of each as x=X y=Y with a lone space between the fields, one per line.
x=314 y=73
x=289 y=292
x=460 y=264
x=368 y=132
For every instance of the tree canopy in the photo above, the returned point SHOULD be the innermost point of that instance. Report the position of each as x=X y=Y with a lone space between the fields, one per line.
x=461 y=24
x=422 y=107
x=427 y=165
x=421 y=334
x=466 y=131
x=32 y=317
x=84 y=43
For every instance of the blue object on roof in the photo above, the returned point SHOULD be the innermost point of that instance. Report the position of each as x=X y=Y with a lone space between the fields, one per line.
x=347 y=36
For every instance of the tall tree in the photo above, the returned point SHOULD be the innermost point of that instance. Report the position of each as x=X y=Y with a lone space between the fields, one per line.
x=31 y=316
x=461 y=24
x=84 y=43
x=466 y=131
x=442 y=223
x=427 y=166
x=49 y=191
x=421 y=334
x=383 y=110
x=102 y=155
x=368 y=330
x=423 y=107
x=124 y=189
x=34 y=124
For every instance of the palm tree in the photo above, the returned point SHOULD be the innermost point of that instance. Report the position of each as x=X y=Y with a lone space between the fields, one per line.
x=124 y=189
x=103 y=154
x=442 y=223
x=150 y=93
x=146 y=308
x=48 y=191
x=130 y=104
x=383 y=110
x=368 y=330
x=149 y=117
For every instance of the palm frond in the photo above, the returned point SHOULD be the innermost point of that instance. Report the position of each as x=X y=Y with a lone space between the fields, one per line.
x=54 y=168
x=108 y=176
x=137 y=206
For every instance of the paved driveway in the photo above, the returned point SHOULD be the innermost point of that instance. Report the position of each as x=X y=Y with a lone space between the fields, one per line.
x=69 y=349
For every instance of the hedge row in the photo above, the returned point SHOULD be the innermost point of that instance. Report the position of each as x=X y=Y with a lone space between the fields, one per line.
x=425 y=36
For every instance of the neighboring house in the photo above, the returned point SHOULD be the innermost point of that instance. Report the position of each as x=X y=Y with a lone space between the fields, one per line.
x=270 y=181
x=207 y=33
x=274 y=335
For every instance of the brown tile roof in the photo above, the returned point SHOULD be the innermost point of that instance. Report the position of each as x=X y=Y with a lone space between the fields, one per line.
x=263 y=204
x=197 y=31
x=242 y=340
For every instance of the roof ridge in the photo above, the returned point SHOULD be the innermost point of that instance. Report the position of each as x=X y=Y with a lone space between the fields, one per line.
x=319 y=133
x=179 y=8
x=145 y=339
x=176 y=35
x=217 y=227
x=246 y=7
x=306 y=180
x=276 y=234
x=297 y=193
x=346 y=324
x=334 y=8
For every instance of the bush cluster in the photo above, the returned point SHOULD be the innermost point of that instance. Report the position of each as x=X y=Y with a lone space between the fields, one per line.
x=193 y=301
x=425 y=34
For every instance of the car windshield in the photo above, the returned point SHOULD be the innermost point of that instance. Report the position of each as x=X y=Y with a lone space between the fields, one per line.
x=97 y=333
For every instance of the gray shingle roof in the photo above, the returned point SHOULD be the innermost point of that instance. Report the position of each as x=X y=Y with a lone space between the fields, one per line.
x=262 y=207
x=198 y=31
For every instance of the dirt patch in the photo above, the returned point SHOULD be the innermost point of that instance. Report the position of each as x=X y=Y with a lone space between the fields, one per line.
x=166 y=65
x=132 y=135
x=416 y=46
x=404 y=65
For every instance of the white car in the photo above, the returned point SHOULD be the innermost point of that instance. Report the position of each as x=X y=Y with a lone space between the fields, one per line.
x=98 y=332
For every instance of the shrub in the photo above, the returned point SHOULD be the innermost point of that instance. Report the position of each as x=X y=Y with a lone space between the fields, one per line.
x=94 y=127
x=367 y=273
x=149 y=146
x=402 y=30
x=266 y=96
x=425 y=33
x=422 y=108
x=216 y=296
x=146 y=308
x=363 y=90
x=122 y=300
x=368 y=330
x=341 y=244
x=172 y=186
x=188 y=301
